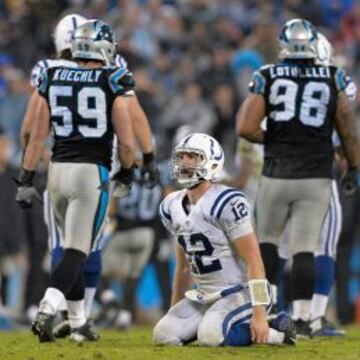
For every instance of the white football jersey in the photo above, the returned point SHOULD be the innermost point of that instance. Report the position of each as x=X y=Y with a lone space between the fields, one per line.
x=206 y=232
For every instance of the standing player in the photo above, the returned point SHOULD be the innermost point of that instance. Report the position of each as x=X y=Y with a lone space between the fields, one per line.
x=218 y=247
x=300 y=100
x=62 y=38
x=84 y=107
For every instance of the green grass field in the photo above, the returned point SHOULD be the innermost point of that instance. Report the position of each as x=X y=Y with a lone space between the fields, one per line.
x=136 y=344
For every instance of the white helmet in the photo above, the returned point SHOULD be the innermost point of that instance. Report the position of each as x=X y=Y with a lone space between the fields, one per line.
x=64 y=31
x=298 y=40
x=210 y=161
x=325 y=51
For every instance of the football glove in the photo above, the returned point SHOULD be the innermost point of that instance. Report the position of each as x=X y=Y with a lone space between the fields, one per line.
x=149 y=171
x=26 y=192
x=350 y=182
x=123 y=180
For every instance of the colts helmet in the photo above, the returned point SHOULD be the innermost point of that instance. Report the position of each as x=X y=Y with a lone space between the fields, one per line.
x=64 y=31
x=325 y=51
x=210 y=161
x=298 y=40
x=94 y=40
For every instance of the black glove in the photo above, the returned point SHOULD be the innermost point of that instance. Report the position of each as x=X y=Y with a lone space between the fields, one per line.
x=123 y=181
x=149 y=171
x=350 y=182
x=26 y=192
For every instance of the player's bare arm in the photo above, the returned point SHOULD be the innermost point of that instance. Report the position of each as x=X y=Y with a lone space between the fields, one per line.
x=249 y=118
x=39 y=134
x=248 y=249
x=124 y=131
x=346 y=128
x=182 y=278
x=29 y=119
x=141 y=126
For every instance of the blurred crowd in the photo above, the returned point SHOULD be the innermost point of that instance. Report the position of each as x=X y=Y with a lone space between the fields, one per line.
x=192 y=61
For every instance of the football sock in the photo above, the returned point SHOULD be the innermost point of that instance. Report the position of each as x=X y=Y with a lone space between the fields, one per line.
x=325 y=274
x=269 y=253
x=89 y=299
x=76 y=313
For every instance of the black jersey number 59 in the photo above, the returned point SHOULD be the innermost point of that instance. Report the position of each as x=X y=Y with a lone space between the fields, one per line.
x=93 y=122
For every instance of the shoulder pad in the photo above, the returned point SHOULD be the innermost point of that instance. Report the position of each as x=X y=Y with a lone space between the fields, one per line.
x=258 y=81
x=121 y=81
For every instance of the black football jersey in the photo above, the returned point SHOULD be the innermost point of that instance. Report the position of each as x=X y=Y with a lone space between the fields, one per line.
x=300 y=106
x=80 y=102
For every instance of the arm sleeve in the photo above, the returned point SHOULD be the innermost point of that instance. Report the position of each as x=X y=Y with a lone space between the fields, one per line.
x=234 y=216
x=122 y=82
x=258 y=82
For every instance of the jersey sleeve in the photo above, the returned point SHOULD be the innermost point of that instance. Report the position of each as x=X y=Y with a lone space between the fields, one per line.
x=36 y=71
x=122 y=82
x=233 y=215
x=43 y=82
x=340 y=79
x=165 y=215
x=257 y=84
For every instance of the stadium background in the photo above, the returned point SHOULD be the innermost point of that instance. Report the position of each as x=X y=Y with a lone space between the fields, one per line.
x=192 y=60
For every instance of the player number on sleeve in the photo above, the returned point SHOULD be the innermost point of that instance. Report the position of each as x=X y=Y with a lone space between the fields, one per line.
x=94 y=123
x=313 y=105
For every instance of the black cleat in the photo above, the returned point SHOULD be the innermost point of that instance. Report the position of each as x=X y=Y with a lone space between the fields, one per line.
x=84 y=333
x=303 y=330
x=42 y=327
x=285 y=324
x=62 y=329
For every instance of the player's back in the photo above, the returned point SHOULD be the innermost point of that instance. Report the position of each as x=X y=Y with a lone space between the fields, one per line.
x=300 y=99
x=80 y=102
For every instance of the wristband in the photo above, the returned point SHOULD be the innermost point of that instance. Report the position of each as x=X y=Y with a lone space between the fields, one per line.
x=26 y=176
x=148 y=158
x=259 y=292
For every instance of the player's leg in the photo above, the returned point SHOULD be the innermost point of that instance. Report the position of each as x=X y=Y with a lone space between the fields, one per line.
x=180 y=324
x=94 y=265
x=325 y=267
x=227 y=323
x=85 y=218
x=271 y=213
x=311 y=201
x=83 y=188
x=140 y=247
